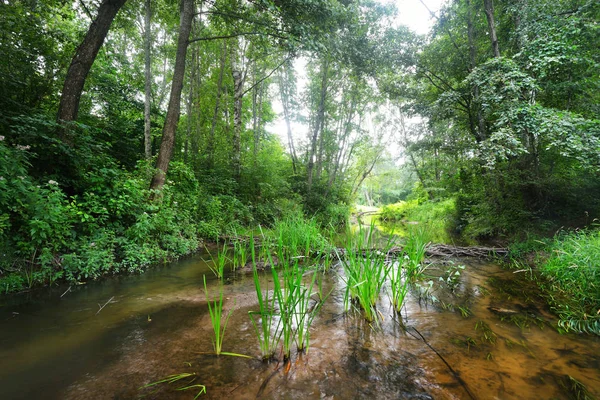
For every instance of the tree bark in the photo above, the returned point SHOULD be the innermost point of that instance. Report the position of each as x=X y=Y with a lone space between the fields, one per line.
x=489 y=13
x=318 y=123
x=481 y=134
x=84 y=59
x=211 y=136
x=238 y=92
x=284 y=91
x=148 y=82
x=173 y=111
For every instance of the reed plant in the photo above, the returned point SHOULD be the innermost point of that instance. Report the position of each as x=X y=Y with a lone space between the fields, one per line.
x=414 y=250
x=215 y=309
x=306 y=310
x=175 y=378
x=299 y=236
x=263 y=321
x=287 y=295
x=366 y=270
x=240 y=254
x=398 y=285
x=219 y=261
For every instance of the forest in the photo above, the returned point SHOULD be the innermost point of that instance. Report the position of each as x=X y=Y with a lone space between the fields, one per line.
x=134 y=133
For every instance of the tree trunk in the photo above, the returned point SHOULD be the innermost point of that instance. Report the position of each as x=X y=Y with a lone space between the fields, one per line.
x=148 y=82
x=318 y=123
x=190 y=103
x=238 y=92
x=284 y=91
x=84 y=58
x=481 y=134
x=489 y=13
x=210 y=148
x=172 y=119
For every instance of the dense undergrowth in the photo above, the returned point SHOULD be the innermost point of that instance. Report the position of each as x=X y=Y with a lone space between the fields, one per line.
x=568 y=272
x=105 y=220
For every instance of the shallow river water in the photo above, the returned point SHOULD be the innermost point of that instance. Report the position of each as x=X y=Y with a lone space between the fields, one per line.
x=59 y=344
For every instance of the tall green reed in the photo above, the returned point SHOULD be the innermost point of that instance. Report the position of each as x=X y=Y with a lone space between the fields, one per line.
x=219 y=261
x=415 y=253
x=263 y=321
x=366 y=270
x=398 y=285
x=215 y=309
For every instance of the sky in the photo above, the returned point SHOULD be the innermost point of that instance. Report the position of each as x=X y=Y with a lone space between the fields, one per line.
x=411 y=13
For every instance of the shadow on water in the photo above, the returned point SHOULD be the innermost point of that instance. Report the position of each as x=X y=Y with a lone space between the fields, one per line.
x=493 y=332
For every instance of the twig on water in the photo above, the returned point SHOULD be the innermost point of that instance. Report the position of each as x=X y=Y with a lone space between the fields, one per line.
x=66 y=291
x=458 y=378
x=105 y=304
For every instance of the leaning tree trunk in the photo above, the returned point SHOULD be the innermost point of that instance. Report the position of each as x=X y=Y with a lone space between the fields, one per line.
x=148 y=82
x=84 y=58
x=172 y=119
x=489 y=13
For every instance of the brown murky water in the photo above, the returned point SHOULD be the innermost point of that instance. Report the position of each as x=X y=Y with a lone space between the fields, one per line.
x=157 y=324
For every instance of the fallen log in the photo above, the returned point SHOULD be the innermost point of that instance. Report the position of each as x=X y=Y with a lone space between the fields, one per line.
x=439 y=250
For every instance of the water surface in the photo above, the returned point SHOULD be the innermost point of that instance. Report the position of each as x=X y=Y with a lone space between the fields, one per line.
x=157 y=324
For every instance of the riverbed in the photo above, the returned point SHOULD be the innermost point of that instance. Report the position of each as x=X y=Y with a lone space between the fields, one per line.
x=484 y=335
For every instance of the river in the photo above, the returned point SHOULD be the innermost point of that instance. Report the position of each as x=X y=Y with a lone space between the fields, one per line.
x=490 y=337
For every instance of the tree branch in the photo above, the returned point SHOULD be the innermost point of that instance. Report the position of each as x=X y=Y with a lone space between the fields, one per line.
x=267 y=76
x=236 y=35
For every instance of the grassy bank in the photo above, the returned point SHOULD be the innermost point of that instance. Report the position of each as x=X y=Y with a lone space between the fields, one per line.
x=435 y=219
x=568 y=273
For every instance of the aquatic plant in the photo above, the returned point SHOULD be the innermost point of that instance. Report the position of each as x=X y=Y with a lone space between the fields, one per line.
x=366 y=270
x=451 y=276
x=178 y=377
x=487 y=333
x=306 y=312
x=219 y=261
x=265 y=328
x=576 y=389
x=240 y=253
x=415 y=251
x=398 y=285
x=299 y=236
x=215 y=309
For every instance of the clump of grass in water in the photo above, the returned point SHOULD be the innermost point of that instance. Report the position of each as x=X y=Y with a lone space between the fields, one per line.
x=176 y=378
x=240 y=253
x=415 y=253
x=215 y=309
x=366 y=271
x=287 y=315
x=299 y=236
x=488 y=334
x=264 y=328
x=219 y=262
x=399 y=286
x=576 y=389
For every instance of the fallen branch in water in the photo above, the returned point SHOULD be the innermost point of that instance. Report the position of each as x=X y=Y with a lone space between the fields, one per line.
x=66 y=291
x=442 y=250
x=105 y=304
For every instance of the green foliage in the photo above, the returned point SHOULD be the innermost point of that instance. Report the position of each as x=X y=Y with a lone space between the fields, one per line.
x=435 y=219
x=365 y=270
x=573 y=280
